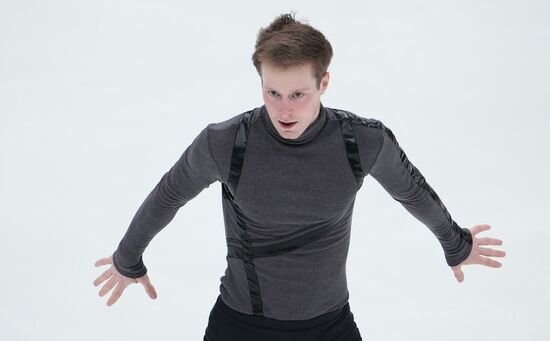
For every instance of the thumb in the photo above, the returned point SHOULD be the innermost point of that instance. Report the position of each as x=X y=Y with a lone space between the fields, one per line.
x=458 y=274
x=149 y=288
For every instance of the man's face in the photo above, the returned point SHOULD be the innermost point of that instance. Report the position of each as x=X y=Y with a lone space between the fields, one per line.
x=291 y=95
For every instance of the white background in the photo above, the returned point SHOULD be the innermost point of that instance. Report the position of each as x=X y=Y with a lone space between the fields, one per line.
x=99 y=98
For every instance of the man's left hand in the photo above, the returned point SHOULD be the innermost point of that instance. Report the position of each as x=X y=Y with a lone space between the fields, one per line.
x=477 y=252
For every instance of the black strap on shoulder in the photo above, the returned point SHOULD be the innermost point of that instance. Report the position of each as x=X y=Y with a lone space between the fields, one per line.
x=345 y=118
x=237 y=155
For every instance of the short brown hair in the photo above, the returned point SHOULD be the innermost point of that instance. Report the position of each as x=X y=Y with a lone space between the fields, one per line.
x=287 y=42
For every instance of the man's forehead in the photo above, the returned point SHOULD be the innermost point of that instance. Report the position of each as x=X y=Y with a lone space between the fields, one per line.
x=287 y=86
x=291 y=78
x=296 y=84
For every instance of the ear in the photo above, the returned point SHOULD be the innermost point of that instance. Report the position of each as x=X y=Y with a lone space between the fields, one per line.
x=324 y=82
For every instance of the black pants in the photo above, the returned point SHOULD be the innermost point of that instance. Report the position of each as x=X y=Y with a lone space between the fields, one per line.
x=227 y=324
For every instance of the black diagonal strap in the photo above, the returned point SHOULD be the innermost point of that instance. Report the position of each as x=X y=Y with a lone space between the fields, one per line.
x=289 y=242
x=228 y=193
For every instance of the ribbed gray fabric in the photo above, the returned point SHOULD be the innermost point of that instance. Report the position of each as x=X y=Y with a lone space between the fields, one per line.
x=284 y=186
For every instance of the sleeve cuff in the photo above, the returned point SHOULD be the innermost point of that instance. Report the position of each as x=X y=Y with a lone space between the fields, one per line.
x=135 y=271
x=462 y=248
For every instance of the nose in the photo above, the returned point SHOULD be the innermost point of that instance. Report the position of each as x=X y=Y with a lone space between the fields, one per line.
x=285 y=109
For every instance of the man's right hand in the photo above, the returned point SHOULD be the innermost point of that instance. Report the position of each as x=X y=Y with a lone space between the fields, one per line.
x=115 y=278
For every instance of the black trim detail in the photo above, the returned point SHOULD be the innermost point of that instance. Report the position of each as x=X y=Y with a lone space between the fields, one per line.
x=351 y=145
x=239 y=148
x=248 y=256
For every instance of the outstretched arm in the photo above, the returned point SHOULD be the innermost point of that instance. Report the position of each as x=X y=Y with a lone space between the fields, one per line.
x=194 y=170
x=404 y=182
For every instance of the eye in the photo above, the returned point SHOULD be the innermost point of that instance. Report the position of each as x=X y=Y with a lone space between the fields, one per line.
x=272 y=93
x=298 y=94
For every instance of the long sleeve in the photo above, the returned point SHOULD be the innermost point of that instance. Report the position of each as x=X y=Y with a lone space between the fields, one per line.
x=404 y=182
x=195 y=170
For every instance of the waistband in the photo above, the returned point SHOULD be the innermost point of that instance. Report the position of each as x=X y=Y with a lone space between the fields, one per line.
x=266 y=322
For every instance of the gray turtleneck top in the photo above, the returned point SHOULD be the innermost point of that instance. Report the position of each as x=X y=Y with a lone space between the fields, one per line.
x=286 y=184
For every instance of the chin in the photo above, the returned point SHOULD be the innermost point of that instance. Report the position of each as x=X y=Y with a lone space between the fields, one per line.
x=290 y=135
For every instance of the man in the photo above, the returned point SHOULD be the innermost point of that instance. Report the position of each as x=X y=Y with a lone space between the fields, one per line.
x=290 y=171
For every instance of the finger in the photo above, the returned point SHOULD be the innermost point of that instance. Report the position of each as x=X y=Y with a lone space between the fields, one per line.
x=479 y=228
x=108 y=286
x=103 y=261
x=116 y=294
x=150 y=289
x=459 y=275
x=491 y=252
x=104 y=276
x=489 y=262
x=489 y=241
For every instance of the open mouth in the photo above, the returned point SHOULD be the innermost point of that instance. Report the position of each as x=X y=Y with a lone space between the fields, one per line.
x=287 y=125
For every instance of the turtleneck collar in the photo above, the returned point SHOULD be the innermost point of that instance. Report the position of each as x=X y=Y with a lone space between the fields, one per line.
x=311 y=131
